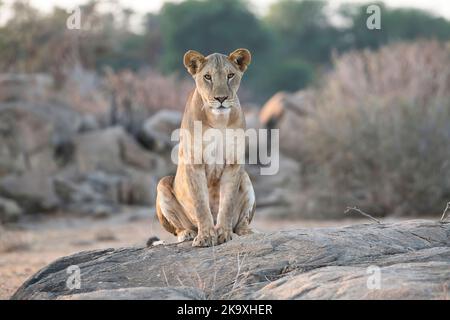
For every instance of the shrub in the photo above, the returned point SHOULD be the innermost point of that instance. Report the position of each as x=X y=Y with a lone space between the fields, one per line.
x=379 y=137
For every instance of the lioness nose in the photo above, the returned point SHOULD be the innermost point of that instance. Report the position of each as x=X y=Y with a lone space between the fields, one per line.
x=221 y=99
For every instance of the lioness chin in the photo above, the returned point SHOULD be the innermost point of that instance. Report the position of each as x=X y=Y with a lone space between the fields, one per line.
x=208 y=201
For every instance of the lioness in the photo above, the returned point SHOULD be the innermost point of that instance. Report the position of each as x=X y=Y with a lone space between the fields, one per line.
x=207 y=201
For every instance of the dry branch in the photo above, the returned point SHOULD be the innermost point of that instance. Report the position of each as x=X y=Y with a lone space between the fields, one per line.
x=348 y=209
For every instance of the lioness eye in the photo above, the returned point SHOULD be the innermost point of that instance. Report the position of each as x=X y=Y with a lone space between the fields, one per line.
x=230 y=75
x=207 y=77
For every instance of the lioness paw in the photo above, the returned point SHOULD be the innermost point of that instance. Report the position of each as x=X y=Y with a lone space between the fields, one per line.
x=243 y=231
x=224 y=235
x=186 y=235
x=206 y=238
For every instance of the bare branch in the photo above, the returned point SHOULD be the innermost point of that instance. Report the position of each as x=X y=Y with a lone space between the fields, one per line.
x=165 y=277
x=445 y=213
x=348 y=209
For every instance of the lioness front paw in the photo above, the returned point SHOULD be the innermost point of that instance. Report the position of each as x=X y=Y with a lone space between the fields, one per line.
x=224 y=235
x=186 y=235
x=243 y=231
x=205 y=238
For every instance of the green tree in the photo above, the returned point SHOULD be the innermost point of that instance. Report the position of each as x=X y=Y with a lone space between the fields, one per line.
x=400 y=24
x=303 y=29
x=209 y=26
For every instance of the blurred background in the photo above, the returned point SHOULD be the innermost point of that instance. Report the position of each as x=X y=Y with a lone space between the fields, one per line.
x=86 y=114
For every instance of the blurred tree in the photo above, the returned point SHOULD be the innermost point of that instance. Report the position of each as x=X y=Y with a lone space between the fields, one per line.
x=209 y=26
x=289 y=45
x=33 y=42
x=303 y=29
x=396 y=25
x=152 y=38
x=283 y=75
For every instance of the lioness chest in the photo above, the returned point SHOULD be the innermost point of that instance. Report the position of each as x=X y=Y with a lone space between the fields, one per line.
x=219 y=151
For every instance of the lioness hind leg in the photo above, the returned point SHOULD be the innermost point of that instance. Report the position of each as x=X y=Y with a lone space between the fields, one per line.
x=170 y=213
x=246 y=207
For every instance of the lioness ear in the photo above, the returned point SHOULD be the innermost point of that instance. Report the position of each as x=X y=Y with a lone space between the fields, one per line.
x=241 y=57
x=193 y=61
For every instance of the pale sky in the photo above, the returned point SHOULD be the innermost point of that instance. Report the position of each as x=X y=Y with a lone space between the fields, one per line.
x=441 y=7
x=438 y=7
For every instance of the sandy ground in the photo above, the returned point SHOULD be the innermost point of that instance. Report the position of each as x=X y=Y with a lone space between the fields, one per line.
x=28 y=246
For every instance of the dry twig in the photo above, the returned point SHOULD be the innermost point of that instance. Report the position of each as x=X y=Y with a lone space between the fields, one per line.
x=446 y=210
x=348 y=209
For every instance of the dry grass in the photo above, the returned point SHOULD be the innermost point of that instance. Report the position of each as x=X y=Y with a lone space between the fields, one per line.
x=445 y=212
x=379 y=136
x=14 y=241
x=148 y=91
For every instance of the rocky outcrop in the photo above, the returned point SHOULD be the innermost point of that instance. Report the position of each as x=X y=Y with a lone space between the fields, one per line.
x=109 y=169
x=277 y=196
x=9 y=210
x=20 y=86
x=52 y=158
x=287 y=111
x=407 y=260
x=157 y=130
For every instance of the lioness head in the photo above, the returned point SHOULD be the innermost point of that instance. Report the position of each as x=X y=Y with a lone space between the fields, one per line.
x=218 y=77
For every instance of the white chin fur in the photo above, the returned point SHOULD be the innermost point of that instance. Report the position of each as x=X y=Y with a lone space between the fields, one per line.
x=221 y=111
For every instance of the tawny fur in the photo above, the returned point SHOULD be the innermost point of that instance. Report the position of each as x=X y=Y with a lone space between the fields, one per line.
x=209 y=202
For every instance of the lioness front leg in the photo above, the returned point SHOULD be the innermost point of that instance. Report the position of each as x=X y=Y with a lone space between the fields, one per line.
x=198 y=191
x=245 y=206
x=227 y=215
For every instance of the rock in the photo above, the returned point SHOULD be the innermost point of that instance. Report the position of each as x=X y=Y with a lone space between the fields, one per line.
x=175 y=293
x=99 y=192
x=111 y=149
x=34 y=125
x=9 y=210
x=110 y=168
x=157 y=130
x=351 y=283
x=286 y=112
x=33 y=191
x=278 y=193
x=99 y=150
x=142 y=186
x=413 y=258
x=251 y=113
x=89 y=123
x=96 y=194
x=24 y=86
x=22 y=134
x=32 y=136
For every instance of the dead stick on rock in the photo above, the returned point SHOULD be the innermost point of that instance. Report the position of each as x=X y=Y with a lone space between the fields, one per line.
x=361 y=212
x=444 y=214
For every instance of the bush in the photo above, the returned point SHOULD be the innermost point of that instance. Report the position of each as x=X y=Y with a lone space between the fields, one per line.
x=379 y=137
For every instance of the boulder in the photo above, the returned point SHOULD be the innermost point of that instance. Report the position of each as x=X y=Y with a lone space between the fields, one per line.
x=93 y=194
x=405 y=260
x=30 y=135
x=98 y=192
x=33 y=136
x=111 y=150
x=174 y=293
x=32 y=191
x=157 y=130
x=16 y=86
x=277 y=195
x=9 y=210
x=286 y=111
x=110 y=168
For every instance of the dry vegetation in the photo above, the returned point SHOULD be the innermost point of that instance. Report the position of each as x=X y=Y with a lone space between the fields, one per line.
x=379 y=136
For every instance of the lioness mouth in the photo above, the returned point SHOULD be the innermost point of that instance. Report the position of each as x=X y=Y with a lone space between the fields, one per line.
x=220 y=110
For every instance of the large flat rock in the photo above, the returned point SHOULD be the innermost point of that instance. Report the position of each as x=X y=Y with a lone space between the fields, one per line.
x=405 y=260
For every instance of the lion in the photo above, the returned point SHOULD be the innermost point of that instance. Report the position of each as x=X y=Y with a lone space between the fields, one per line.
x=208 y=202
